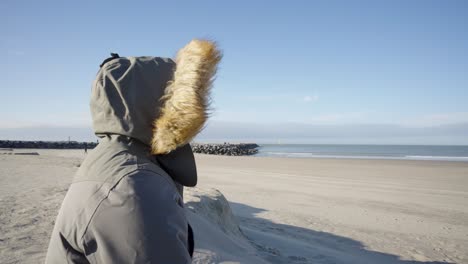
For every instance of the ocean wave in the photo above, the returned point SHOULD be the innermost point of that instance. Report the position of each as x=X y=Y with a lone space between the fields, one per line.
x=312 y=155
x=451 y=158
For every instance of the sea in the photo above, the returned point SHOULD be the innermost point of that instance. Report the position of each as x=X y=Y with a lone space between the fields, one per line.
x=399 y=152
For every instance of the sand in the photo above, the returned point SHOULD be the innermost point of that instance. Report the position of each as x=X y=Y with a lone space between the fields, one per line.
x=279 y=211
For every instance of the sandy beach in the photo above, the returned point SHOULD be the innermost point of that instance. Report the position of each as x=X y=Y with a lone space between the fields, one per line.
x=288 y=210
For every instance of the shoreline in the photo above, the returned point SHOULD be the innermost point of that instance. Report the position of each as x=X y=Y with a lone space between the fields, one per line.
x=449 y=159
x=379 y=152
x=357 y=159
x=80 y=153
x=316 y=151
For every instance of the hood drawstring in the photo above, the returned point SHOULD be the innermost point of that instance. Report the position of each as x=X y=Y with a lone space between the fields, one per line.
x=113 y=56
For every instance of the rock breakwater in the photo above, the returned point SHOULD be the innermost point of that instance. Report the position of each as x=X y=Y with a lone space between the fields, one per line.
x=226 y=149
x=11 y=144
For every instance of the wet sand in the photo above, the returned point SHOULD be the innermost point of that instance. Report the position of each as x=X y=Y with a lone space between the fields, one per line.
x=289 y=210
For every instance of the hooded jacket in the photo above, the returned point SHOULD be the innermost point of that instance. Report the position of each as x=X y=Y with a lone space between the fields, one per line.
x=125 y=202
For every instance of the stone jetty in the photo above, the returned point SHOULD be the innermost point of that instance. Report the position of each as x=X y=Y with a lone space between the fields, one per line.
x=226 y=149
x=10 y=144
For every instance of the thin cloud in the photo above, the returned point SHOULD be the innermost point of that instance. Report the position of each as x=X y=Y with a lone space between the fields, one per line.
x=343 y=134
x=436 y=119
x=310 y=99
x=338 y=118
x=69 y=119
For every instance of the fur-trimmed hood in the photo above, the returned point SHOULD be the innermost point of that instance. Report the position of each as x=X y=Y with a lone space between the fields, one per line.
x=162 y=103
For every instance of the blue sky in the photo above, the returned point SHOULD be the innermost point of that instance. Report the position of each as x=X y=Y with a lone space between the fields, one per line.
x=325 y=65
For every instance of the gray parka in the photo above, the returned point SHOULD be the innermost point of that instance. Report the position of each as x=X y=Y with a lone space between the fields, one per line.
x=125 y=203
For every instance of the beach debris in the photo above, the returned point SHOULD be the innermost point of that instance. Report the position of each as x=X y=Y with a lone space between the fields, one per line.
x=27 y=153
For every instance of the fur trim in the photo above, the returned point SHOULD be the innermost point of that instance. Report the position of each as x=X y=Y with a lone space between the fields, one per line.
x=187 y=97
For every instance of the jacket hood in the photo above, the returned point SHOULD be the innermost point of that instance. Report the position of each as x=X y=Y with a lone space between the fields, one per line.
x=161 y=102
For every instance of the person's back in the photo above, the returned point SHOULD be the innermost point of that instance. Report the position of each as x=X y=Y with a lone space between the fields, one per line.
x=125 y=203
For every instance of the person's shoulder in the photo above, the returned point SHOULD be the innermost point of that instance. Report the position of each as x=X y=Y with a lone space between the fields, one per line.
x=149 y=178
x=107 y=163
x=137 y=192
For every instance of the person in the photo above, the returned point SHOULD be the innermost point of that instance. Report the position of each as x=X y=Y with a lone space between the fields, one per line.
x=125 y=204
x=85 y=148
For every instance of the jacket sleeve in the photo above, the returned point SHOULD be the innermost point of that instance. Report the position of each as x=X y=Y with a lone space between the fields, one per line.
x=141 y=221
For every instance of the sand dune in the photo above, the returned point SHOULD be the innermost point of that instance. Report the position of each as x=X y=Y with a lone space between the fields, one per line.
x=279 y=210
